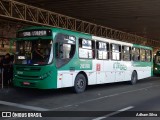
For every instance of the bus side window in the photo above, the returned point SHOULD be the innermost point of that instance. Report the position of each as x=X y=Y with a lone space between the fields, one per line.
x=143 y=55
x=148 y=55
x=72 y=51
x=86 y=48
x=65 y=49
x=80 y=43
x=126 y=53
x=102 y=50
x=58 y=48
x=135 y=54
x=116 y=52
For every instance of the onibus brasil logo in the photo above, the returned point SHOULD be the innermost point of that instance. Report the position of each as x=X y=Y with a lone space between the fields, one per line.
x=119 y=66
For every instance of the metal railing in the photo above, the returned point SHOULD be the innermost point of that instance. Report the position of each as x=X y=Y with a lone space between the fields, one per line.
x=22 y=12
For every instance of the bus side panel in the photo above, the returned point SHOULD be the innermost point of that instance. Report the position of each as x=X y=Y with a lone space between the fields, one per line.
x=143 y=69
x=65 y=79
x=109 y=71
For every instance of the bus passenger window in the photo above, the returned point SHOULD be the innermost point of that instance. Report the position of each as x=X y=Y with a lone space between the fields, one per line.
x=126 y=54
x=116 y=52
x=143 y=55
x=65 y=49
x=148 y=55
x=102 y=50
x=86 y=49
x=135 y=54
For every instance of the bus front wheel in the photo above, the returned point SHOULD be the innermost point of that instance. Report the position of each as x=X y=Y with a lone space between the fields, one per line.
x=134 y=77
x=80 y=84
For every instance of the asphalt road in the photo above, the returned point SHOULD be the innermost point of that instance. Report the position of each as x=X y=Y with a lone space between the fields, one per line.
x=118 y=101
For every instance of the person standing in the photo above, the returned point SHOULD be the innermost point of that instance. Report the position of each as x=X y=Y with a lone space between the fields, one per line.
x=1 y=65
x=7 y=69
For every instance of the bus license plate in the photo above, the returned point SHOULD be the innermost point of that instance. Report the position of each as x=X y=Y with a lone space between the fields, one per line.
x=26 y=83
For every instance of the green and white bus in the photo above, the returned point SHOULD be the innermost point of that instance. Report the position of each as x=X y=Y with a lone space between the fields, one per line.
x=52 y=58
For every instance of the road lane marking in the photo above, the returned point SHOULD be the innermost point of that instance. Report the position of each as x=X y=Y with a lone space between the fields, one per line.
x=99 y=98
x=125 y=109
x=99 y=118
x=113 y=113
x=70 y=105
x=22 y=106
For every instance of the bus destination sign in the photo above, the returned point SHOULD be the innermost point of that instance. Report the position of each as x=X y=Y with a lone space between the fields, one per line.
x=34 y=33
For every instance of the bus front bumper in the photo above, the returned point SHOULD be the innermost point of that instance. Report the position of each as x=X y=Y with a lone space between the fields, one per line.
x=38 y=84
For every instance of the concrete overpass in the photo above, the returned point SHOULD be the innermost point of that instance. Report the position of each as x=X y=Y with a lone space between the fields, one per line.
x=102 y=18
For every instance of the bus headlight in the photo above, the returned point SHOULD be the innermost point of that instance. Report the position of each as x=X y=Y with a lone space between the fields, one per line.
x=155 y=68
x=46 y=75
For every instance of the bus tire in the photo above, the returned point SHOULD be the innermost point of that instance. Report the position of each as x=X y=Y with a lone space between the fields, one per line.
x=80 y=83
x=134 y=78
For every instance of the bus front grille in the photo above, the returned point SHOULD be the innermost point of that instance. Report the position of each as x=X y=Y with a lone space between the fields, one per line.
x=28 y=77
x=28 y=68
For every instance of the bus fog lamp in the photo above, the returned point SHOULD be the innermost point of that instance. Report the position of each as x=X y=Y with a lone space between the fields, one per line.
x=44 y=76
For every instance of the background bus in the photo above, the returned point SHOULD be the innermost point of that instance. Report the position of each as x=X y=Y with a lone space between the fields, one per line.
x=156 y=68
x=48 y=58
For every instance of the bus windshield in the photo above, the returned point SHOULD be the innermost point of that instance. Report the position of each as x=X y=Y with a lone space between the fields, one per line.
x=157 y=60
x=35 y=52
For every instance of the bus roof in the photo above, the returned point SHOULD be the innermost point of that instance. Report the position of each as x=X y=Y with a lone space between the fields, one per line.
x=86 y=35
